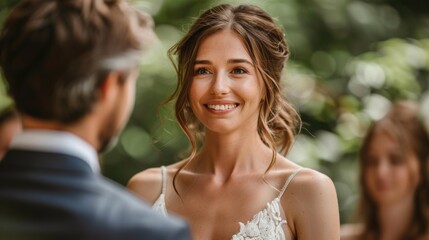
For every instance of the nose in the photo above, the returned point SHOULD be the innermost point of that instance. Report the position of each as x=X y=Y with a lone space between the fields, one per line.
x=220 y=85
x=383 y=169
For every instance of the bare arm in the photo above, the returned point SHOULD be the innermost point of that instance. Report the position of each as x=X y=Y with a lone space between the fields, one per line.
x=312 y=202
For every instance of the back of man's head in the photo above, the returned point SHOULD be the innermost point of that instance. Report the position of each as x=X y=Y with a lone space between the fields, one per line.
x=55 y=54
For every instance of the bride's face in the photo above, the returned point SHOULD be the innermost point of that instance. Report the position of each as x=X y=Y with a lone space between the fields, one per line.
x=226 y=89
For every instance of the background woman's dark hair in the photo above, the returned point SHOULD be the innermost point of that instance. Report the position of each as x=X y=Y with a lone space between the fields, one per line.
x=401 y=123
x=53 y=82
x=264 y=41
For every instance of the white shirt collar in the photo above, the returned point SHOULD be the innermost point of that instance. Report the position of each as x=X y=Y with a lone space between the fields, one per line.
x=57 y=141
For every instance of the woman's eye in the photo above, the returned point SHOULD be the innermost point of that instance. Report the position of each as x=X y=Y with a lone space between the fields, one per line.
x=371 y=162
x=396 y=160
x=238 y=71
x=201 y=71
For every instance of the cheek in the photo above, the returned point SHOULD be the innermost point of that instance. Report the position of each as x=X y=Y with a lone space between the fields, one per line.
x=404 y=175
x=414 y=175
x=250 y=86
x=131 y=97
x=196 y=91
x=131 y=94
x=406 y=178
x=369 y=177
x=124 y=105
x=193 y=102
x=193 y=93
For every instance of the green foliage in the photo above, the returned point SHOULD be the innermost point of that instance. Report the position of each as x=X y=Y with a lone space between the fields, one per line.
x=350 y=59
x=5 y=101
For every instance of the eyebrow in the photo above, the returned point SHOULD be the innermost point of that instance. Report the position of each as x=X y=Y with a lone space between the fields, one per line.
x=229 y=61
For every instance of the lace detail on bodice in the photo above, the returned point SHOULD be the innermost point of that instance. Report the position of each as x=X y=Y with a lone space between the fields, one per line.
x=159 y=205
x=267 y=224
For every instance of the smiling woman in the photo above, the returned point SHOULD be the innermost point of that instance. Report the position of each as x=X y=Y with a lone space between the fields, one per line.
x=235 y=184
x=226 y=90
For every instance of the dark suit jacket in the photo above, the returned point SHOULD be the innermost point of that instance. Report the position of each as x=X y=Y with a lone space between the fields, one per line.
x=55 y=196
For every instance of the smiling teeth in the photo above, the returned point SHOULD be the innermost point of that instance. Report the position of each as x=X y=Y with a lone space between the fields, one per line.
x=222 y=107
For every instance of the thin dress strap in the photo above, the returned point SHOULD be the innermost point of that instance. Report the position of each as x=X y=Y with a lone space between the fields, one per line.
x=289 y=179
x=164 y=179
x=159 y=205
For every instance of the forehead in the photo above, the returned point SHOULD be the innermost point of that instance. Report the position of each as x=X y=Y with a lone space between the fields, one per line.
x=382 y=141
x=224 y=44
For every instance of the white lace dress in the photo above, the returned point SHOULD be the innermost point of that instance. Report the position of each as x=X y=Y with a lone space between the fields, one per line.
x=267 y=224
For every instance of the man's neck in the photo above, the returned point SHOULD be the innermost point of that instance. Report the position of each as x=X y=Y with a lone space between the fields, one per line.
x=81 y=128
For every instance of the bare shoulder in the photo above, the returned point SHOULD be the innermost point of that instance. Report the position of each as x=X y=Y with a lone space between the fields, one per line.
x=351 y=231
x=310 y=191
x=312 y=206
x=146 y=184
x=312 y=185
x=307 y=184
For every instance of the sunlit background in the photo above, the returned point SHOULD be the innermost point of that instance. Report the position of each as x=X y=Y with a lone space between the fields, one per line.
x=349 y=60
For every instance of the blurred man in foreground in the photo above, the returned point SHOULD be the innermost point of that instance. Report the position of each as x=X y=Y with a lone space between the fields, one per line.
x=71 y=67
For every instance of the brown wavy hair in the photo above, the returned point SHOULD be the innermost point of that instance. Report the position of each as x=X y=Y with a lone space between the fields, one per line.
x=264 y=41
x=54 y=54
x=402 y=123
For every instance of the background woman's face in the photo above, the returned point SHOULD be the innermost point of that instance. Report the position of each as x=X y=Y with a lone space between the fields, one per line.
x=390 y=175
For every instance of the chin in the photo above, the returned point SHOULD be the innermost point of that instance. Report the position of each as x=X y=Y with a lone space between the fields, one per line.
x=387 y=200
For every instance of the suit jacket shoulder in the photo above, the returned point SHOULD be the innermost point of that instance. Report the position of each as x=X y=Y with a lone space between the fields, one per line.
x=56 y=196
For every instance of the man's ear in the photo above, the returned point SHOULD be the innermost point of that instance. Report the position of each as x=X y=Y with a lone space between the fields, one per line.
x=109 y=83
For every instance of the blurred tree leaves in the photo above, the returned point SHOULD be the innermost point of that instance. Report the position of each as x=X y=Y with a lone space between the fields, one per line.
x=349 y=60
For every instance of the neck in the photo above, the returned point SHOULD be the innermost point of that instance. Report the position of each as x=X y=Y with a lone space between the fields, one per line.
x=82 y=128
x=227 y=154
x=394 y=218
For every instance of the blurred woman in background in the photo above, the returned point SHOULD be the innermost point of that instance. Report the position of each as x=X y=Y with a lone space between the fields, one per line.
x=393 y=178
